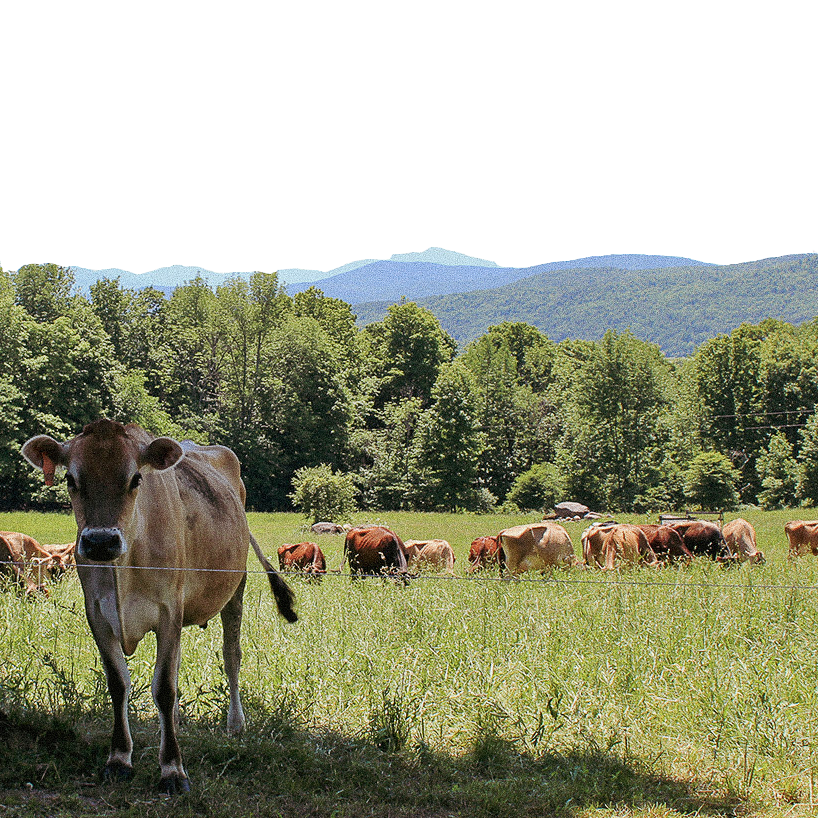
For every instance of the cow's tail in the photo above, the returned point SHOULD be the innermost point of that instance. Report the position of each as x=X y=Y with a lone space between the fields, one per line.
x=285 y=598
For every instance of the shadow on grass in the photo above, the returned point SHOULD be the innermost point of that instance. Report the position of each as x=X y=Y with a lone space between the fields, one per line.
x=280 y=768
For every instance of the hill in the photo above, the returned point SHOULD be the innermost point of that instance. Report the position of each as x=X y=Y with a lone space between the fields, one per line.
x=675 y=307
x=396 y=278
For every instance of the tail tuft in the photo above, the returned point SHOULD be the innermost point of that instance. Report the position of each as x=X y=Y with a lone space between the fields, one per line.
x=284 y=596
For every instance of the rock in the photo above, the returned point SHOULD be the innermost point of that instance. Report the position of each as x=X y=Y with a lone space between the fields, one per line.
x=571 y=509
x=326 y=528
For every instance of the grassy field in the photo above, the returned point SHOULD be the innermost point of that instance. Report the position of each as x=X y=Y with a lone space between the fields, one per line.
x=689 y=691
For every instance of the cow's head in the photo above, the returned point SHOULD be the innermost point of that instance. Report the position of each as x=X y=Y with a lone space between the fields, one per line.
x=104 y=468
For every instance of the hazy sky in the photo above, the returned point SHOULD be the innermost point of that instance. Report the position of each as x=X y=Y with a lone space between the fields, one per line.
x=268 y=135
x=245 y=259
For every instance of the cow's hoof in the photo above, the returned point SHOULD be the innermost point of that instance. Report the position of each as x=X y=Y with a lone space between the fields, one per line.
x=117 y=771
x=174 y=784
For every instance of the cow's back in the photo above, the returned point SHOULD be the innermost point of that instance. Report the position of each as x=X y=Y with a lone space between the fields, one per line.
x=802 y=536
x=536 y=547
x=373 y=550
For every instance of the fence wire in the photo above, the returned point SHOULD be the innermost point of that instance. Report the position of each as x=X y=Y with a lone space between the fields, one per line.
x=543 y=579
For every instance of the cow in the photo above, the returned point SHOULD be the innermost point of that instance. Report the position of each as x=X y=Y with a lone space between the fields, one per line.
x=374 y=550
x=667 y=543
x=18 y=552
x=434 y=554
x=627 y=544
x=740 y=537
x=162 y=542
x=485 y=552
x=703 y=539
x=593 y=541
x=55 y=559
x=304 y=556
x=803 y=537
x=536 y=547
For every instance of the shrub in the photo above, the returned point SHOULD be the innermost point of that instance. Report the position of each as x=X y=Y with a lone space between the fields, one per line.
x=538 y=488
x=322 y=494
x=710 y=481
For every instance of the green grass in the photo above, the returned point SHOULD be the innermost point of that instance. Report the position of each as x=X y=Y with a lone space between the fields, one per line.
x=636 y=693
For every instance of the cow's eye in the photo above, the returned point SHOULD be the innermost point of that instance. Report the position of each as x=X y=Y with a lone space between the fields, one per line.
x=70 y=482
x=135 y=481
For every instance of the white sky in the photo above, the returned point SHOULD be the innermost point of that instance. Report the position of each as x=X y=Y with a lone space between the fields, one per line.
x=246 y=259
x=269 y=135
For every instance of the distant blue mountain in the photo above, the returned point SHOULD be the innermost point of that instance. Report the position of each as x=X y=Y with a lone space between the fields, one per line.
x=392 y=280
x=412 y=275
x=437 y=255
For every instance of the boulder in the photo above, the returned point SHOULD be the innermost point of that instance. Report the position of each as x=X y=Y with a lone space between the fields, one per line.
x=571 y=510
x=326 y=528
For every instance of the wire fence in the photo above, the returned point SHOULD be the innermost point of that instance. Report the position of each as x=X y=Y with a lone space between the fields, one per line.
x=552 y=578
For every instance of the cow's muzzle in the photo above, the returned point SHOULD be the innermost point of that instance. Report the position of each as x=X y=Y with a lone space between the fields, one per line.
x=101 y=544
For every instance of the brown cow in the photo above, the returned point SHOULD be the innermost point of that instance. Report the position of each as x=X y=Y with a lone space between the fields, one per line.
x=304 y=556
x=593 y=542
x=485 y=552
x=803 y=537
x=140 y=503
x=436 y=555
x=667 y=543
x=374 y=550
x=18 y=553
x=740 y=537
x=629 y=545
x=703 y=539
x=536 y=547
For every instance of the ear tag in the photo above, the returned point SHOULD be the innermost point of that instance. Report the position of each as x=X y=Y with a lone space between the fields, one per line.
x=48 y=470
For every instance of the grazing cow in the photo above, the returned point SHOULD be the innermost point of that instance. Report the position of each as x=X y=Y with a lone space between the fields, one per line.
x=740 y=537
x=303 y=556
x=140 y=503
x=703 y=539
x=374 y=550
x=56 y=559
x=593 y=542
x=485 y=552
x=436 y=555
x=803 y=537
x=18 y=553
x=666 y=543
x=536 y=547
x=629 y=545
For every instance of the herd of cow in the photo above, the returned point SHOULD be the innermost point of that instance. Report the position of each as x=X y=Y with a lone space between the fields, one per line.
x=371 y=550
x=376 y=549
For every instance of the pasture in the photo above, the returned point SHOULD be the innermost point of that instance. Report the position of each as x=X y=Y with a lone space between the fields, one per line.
x=675 y=692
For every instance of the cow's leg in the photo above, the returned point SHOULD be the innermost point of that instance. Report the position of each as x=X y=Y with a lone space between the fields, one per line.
x=119 y=766
x=231 y=651
x=165 y=693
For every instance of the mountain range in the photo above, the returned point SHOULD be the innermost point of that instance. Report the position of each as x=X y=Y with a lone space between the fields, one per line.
x=673 y=301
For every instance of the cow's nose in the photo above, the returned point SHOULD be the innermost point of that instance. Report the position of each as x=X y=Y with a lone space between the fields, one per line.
x=101 y=544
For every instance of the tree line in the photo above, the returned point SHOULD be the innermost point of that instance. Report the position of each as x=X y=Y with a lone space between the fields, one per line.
x=513 y=420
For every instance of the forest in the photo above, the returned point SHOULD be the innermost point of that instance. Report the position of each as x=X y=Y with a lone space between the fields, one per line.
x=513 y=420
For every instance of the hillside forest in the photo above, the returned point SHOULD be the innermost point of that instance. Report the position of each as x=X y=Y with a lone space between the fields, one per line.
x=513 y=419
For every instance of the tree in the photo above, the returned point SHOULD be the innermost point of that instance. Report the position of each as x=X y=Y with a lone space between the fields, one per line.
x=613 y=434
x=808 y=461
x=710 y=481
x=44 y=290
x=448 y=444
x=322 y=494
x=778 y=471
x=408 y=349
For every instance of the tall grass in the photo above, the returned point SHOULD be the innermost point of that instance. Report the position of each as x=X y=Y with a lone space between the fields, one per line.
x=699 y=675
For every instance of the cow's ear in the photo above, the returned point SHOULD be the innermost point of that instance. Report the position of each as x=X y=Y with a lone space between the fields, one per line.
x=43 y=452
x=161 y=453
